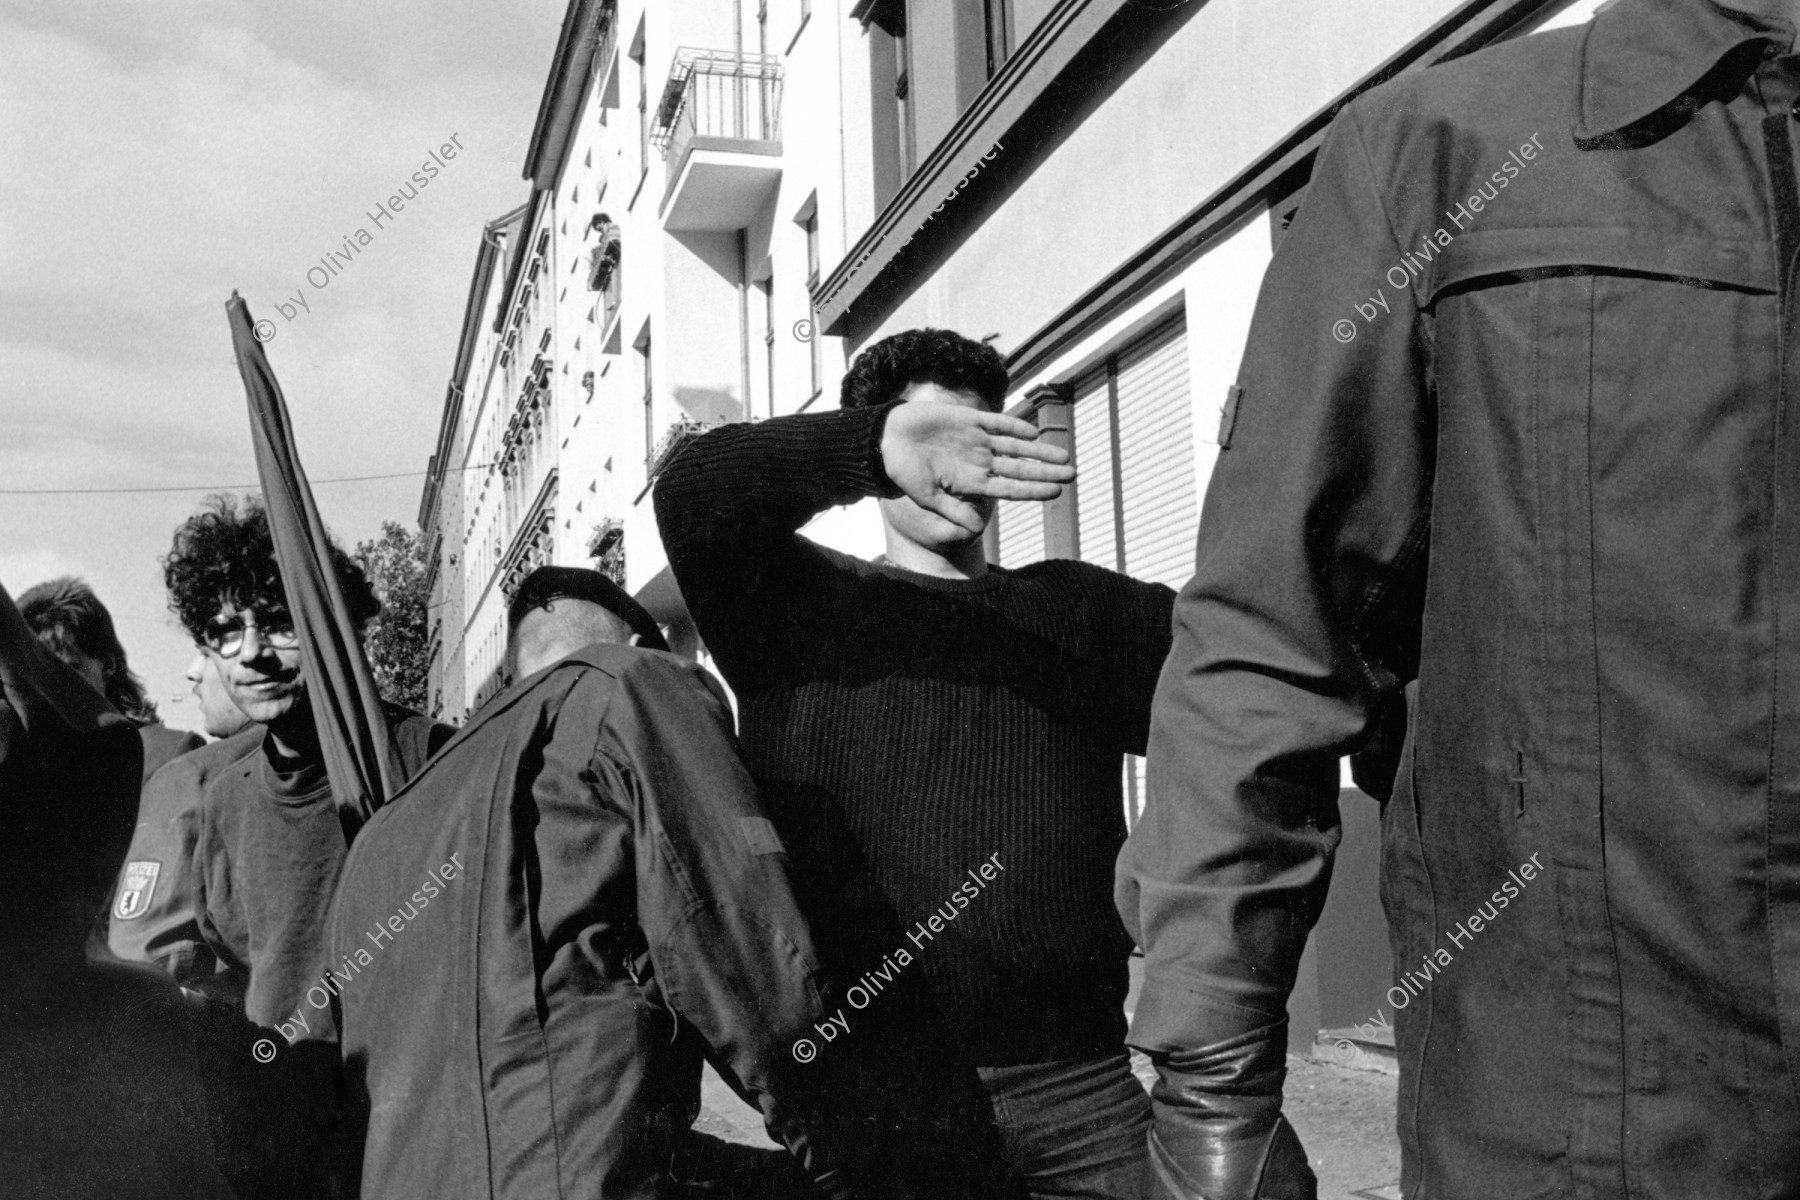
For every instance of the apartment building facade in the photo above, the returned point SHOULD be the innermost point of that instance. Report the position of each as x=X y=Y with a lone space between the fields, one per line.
x=685 y=188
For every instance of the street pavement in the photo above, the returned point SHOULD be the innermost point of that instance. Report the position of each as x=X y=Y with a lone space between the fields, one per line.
x=1343 y=1113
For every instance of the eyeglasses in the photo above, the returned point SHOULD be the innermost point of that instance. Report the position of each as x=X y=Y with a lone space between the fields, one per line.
x=224 y=636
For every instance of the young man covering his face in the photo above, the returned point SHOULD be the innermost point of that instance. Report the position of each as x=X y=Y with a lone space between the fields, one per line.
x=913 y=718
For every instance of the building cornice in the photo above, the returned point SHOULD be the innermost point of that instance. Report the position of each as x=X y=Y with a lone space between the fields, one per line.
x=440 y=466
x=519 y=253
x=1057 y=62
x=1035 y=66
x=539 y=520
x=564 y=91
x=1470 y=27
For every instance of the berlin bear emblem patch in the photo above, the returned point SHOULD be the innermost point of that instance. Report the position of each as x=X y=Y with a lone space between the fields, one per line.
x=136 y=889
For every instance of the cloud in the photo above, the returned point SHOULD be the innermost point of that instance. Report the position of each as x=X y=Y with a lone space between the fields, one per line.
x=161 y=155
x=21 y=569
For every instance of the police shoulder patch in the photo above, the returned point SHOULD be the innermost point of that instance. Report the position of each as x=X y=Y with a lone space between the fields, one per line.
x=136 y=888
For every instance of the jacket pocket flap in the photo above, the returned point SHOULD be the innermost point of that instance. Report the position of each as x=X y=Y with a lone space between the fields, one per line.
x=1747 y=264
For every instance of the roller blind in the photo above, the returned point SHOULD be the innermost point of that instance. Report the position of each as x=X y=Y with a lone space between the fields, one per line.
x=1156 y=458
x=1021 y=532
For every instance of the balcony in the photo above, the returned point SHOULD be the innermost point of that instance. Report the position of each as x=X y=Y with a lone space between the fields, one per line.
x=719 y=128
x=607 y=548
x=684 y=430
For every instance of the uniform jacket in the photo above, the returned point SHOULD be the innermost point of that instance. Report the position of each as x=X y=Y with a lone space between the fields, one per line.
x=163 y=745
x=535 y=938
x=153 y=918
x=1514 y=425
x=101 y=1089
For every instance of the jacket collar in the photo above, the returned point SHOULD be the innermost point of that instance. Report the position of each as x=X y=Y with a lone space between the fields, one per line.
x=610 y=658
x=1638 y=56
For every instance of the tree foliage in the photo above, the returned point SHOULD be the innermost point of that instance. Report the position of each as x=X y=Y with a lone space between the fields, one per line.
x=398 y=641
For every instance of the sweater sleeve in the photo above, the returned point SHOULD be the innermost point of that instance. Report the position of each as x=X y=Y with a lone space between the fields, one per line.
x=1143 y=635
x=730 y=506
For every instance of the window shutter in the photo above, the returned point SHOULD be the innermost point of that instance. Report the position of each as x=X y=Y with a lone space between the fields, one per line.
x=1156 y=457
x=1021 y=532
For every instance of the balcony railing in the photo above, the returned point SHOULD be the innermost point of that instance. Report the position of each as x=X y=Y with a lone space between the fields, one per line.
x=673 y=438
x=720 y=97
x=607 y=549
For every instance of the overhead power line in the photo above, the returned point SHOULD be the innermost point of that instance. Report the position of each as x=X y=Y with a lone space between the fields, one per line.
x=214 y=487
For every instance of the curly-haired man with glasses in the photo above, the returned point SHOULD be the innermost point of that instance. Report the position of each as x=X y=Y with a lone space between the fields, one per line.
x=270 y=841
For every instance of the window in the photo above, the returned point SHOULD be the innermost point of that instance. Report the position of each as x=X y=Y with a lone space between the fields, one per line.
x=909 y=139
x=999 y=40
x=642 y=60
x=891 y=104
x=1136 y=493
x=810 y=223
x=643 y=346
x=604 y=267
x=1010 y=22
x=768 y=302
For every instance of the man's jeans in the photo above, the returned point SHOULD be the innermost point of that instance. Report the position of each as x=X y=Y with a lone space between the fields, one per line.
x=1074 y=1128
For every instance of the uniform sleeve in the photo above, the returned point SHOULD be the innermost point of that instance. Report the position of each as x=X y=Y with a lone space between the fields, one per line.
x=733 y=954
x=1298 y=626
x=154 y=917
x=415 y=737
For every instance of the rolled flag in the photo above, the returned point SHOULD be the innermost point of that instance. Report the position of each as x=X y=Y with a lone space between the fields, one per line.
x=353 y=733
x=70 y=767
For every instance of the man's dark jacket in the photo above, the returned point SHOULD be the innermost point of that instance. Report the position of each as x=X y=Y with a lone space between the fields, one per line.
x=102 y=1094
x=1515 y=423
x=538 y=934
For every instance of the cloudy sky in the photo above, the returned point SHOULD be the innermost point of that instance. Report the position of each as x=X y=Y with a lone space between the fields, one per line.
x=155 y=156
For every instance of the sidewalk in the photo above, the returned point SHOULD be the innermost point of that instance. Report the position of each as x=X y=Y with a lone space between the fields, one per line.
x=1344 y=1115
x=1345 y=1118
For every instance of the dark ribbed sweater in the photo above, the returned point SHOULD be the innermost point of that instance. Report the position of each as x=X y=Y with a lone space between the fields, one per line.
x=268 y=852
x=907 y=729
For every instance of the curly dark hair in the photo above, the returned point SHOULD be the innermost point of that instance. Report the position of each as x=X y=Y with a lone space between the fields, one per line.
x=69 y=619
x=882 y=372
x=225 y=554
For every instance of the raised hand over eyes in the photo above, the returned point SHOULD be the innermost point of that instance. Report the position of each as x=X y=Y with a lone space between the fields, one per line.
x=937 y=454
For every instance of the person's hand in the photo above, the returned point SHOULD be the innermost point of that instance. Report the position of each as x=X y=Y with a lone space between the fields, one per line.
x=1219 y=1132
x=939 y=453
